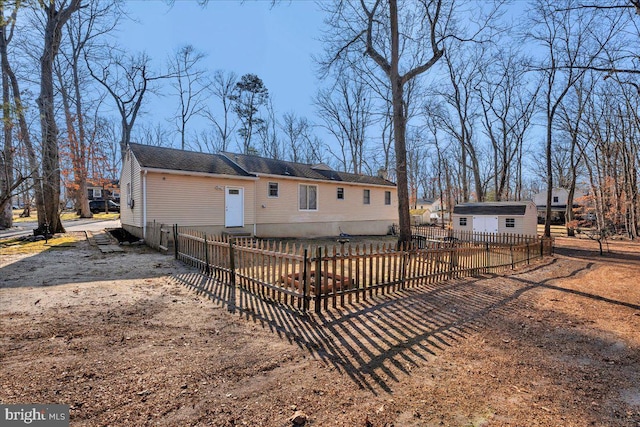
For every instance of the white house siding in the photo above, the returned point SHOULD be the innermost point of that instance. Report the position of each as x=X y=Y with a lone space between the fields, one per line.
x=562 y=194
x=195 y=201
x=131 y=218
x=281 y=217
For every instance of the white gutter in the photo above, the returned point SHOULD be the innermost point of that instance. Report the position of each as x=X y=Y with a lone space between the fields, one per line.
x=144 y=204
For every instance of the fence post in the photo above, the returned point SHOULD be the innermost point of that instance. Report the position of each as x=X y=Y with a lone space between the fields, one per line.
x=305 y=283
x=175 y=240
x=318 y=279
x=207 y=269
x=528 y=252
x=542 y=247
x=232 y=267
x=512 y=260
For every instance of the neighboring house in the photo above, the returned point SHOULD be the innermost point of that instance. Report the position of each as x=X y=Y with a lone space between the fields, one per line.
x=241 y=193
x=496 y=217
x=427 y=211
x=108 y=191
x=559 y=199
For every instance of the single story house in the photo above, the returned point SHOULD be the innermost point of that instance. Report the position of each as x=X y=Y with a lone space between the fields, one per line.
x=229 y=192
x=496 y=217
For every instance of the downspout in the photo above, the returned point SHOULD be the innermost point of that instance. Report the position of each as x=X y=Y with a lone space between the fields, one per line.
x=255 y=206
x=144 y=204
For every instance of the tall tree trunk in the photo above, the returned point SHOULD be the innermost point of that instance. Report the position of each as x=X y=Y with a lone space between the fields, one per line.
x=55 y=20
x=6 y=160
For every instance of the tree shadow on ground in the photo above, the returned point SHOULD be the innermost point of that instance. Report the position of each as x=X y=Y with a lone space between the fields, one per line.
x=81 y=263
x=376 y=341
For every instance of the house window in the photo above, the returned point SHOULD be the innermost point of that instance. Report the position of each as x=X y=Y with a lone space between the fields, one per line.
x=510 y=222
x=366 y=197
x=129 y=195
x=273 y=189
x=340 y=193
x=97 y=193
x=555 y=199
x=308 y=197
x=387 y=197
x=463 y=221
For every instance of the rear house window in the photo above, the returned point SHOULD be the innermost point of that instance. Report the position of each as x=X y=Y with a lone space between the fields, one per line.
x=463 y=221
x=510 y=222
x=273 y=189
x=366 y=197
x=387 y=197
x=308 y=197
x=340 y=193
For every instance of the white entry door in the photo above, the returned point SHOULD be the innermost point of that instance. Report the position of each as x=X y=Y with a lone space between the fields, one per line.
x=234 y=207
x=485 y=224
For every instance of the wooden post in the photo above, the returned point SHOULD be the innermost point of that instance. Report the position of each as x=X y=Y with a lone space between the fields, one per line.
x=175 y=240
x=305 y=284
x=207 y=269
x=318 y=279
x=232 y=276
x=511 y=252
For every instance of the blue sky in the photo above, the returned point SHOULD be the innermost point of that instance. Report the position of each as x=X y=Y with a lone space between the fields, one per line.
x=276 y=43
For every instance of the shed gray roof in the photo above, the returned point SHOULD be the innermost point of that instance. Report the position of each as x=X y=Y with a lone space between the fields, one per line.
x=261 y=165
x=189 y=161
x=491 y=208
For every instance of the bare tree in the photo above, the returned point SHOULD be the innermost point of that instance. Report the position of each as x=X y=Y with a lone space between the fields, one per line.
x=190 y=85
x=346 y=112
x=404 y=40
x=31 y=169
x=268 y=133
x=81 y=33
x=56 y=16
x=127 y=78
x=508 y=100
x=222 y=87
x=573 y=40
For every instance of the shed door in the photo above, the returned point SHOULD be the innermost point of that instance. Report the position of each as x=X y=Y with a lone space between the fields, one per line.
x=485 y=224
x=234 y=207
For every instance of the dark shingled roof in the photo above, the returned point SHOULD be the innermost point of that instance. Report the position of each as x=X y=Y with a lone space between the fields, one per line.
x=491 y=208
x=261 y=165
x=189 y=161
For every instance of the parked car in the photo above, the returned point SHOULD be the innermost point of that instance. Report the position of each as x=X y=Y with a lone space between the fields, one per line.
x=97 y=206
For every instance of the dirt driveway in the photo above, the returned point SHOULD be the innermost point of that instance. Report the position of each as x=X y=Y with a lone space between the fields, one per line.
x=135 y=339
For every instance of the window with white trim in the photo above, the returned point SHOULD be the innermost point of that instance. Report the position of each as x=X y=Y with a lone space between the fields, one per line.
x=366 y=197
x=97 y=193
x=510 y=222
x=308 y=197
x=273 y=189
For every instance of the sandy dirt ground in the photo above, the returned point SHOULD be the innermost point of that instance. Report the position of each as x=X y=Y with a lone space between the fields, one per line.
x=137 y=339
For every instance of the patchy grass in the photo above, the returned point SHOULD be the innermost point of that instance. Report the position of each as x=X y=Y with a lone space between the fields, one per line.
x=15 y=246
x=65 y=216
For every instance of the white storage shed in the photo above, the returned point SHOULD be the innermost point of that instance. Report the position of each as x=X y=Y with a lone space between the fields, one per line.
x=496 y=217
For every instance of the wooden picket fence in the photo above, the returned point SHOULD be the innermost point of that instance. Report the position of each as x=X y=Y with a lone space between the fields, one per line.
x=334 y=276
x=436 y=233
